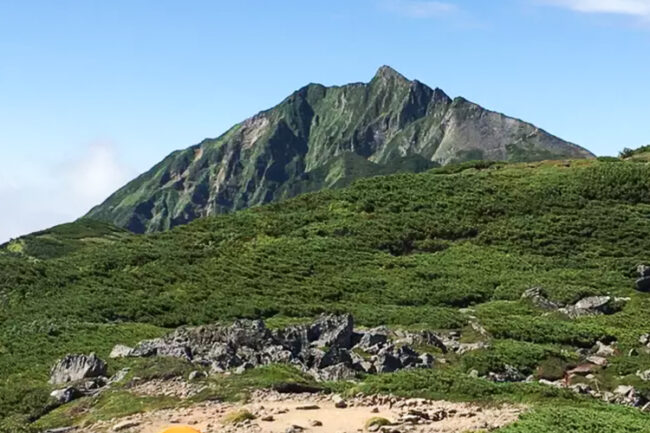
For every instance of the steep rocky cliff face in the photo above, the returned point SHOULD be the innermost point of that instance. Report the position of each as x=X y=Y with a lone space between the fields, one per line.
x=324 y=137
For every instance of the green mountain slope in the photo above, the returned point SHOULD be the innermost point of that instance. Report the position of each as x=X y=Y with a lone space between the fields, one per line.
x=410 y=250
x=324 y=137
x=64 y=239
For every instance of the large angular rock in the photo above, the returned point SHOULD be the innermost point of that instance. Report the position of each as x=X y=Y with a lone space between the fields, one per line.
x=407 y=356
x=332 y=331
x=77 y=367
x=376 y=337
x=386 y=362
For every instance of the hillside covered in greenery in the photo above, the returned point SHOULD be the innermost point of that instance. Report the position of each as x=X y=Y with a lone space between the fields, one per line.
x=435 y=250
x=325 y=137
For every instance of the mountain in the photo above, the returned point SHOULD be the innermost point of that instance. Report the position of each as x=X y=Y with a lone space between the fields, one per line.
x=324 y=137
x=450 y=251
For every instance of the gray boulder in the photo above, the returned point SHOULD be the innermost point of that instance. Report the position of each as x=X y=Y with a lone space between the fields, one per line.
x=120 y=351
x=595 y=305
x=73 y=368
x=66 y=395
x=643 y=284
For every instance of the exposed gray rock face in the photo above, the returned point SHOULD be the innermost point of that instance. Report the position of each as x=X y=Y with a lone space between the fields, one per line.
x=538 y=297
x=643 y=283
x=595 y=305
x=120 y=351
x=73 y=368
x=509 y=374
x=590 y=306
x=373 y=337
x=323 y=348
x=66 y=395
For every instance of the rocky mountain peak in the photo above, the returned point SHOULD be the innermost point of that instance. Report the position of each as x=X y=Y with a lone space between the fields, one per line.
x=387 y=73
x=325 y=137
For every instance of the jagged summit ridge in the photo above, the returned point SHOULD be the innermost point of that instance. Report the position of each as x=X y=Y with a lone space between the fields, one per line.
x=324 y=137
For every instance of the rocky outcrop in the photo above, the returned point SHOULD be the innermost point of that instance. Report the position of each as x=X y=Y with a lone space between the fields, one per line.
x=589 y=306
x=595 y=305
x=537 y=296
x=74 y=368
x=328 y=348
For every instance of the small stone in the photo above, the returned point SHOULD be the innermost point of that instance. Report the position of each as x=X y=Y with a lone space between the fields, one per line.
x=308 y=407
x=597 y=360
x=125 y=425
x=268 y=418
x=197 y=375
x=339 y=402
x=315 y=423
x=624 y=390
x=375 y=410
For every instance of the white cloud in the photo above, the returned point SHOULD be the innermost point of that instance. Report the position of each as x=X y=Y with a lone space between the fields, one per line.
x=97 y=173
x=419 y=8
x=639 y=8
x=38 y=194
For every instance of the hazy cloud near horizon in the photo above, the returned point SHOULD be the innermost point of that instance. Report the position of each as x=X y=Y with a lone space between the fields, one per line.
x=44 y=195
x=639 y=8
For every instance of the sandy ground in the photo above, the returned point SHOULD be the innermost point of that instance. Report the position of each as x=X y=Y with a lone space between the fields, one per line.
x=276 y=413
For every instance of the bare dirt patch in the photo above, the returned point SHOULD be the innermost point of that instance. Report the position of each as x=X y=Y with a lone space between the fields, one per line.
x=318 y=413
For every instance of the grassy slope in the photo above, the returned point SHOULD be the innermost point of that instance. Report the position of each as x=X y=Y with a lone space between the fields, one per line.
x=64 y=239
x=407 y=250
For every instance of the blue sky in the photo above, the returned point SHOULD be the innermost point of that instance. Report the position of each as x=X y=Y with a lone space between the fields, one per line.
x=94 y=92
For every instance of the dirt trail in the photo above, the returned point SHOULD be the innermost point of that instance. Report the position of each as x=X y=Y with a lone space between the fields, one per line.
x=276 y=413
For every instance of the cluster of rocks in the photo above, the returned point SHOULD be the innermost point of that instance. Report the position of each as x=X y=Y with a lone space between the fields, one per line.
x=329 y=348
x=623 y=394
x=589 y=306
x=582 y=379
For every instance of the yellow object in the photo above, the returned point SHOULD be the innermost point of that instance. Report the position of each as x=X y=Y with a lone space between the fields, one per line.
x=180 y=429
